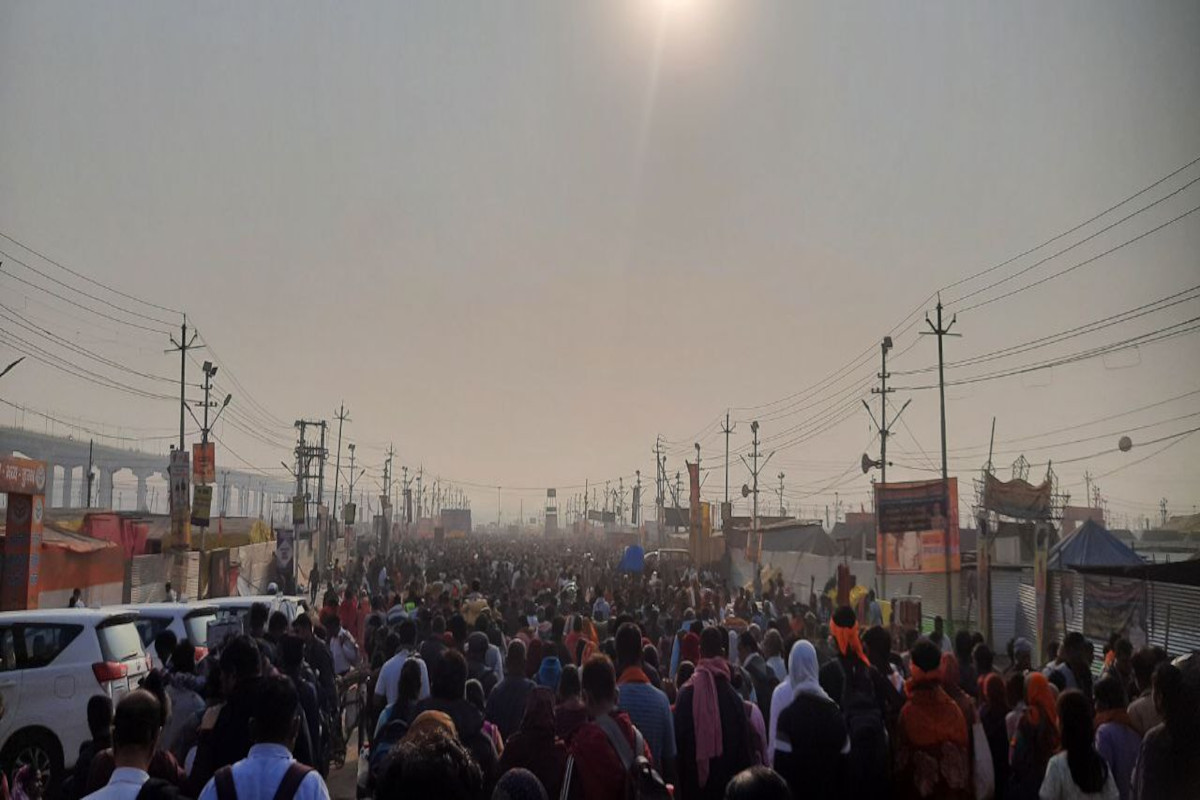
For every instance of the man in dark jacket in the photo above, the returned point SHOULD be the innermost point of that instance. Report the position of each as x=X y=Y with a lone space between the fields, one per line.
x=506 y=703
x=448 y=685
x=711 y=726
x=755 y=666
x=225 y=728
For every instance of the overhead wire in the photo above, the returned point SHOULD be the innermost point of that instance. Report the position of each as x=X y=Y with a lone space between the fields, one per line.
x=87 y=278
x=89 y=309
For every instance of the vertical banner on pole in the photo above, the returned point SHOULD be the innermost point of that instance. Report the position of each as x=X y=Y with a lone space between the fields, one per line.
x=24 y=482
x=179 y=473
x=985 y=580
x=1040 y=585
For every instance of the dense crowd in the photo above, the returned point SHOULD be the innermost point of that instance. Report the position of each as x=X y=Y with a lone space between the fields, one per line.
x=525 y=669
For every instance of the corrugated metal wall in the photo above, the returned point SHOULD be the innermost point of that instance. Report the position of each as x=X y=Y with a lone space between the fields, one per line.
x=1026 y=624
x=1182 y=605
x=1006 y=599
x=931 y=588
x=146 y=578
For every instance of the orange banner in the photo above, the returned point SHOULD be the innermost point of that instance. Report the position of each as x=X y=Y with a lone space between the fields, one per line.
x=914 y=519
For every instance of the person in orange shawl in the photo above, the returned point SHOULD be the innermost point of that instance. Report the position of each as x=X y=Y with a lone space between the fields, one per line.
x=931 y=757
x=1036 y=741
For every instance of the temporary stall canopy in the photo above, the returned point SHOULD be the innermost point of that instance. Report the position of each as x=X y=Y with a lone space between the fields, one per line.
x=1092 y=546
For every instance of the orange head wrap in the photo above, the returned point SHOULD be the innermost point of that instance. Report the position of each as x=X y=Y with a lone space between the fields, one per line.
x=847 y=640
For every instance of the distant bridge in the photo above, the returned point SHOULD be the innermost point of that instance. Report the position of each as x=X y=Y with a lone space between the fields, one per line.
x=65 y=455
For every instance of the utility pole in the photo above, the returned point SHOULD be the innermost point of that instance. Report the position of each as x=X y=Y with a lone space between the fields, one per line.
x=782 y=511
x=660 y=496
x=941 y=332
x=754 y=531
x=727 y=429
x=885 y=430
x=637 y=499
x=1162 y=510
x=342 y=417
x=91 y=442
x=407 y=499
x=182 y=346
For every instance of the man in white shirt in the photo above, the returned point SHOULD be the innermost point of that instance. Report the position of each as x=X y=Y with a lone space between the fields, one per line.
x=342 y=646
x=136 y=725
x=269 y=771
x=387 y=687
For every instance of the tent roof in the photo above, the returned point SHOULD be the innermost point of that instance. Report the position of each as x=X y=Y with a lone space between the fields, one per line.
x=801 y=537
x=1092 y=546
x=634 y=559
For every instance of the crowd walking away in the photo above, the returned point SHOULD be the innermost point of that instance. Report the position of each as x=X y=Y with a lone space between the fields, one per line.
x=529 y=669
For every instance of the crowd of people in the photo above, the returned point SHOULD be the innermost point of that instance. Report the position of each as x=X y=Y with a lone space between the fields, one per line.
x=525 y=669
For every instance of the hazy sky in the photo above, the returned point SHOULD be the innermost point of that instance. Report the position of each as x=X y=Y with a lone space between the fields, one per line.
x=521 y=239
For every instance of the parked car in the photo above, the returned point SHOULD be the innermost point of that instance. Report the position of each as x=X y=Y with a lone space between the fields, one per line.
x=239 y=607
x=185 y=620
x=51 y=662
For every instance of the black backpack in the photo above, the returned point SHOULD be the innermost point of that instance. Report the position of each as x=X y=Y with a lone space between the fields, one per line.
x=866 y=727
x=642 y=782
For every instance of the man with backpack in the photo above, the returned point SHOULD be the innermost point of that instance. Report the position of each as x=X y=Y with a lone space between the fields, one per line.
x=762 y=678
x=863 y=709
x=268 y=772
x=605 y=748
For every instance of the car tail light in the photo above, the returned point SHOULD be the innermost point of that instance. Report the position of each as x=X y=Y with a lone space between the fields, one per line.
x=106 y=671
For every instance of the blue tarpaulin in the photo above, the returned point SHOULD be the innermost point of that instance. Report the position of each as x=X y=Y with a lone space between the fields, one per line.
x=634 y=559
x=1092 y=546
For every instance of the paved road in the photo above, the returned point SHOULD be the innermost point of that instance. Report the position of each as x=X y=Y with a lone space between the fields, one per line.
x=342 y=782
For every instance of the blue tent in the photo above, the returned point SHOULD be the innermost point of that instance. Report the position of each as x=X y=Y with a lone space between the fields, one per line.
x=634 y=559
x=1092 y=546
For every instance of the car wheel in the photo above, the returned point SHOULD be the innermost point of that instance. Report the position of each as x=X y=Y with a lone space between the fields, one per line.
x=37 y=748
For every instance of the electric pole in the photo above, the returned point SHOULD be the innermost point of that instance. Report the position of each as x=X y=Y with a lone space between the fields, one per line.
x=727 y=429
x=342 y=417
x=782 y=511
x=885 y=430
x=91 y=442
x=182 y=346
x=941 y=332
x=754 y=531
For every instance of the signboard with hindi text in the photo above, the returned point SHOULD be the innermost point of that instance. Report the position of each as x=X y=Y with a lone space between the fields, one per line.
x=914 y=520
x=24 y=481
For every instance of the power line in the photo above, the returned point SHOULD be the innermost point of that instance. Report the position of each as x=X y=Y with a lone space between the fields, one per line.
x=1087 y=238
x=33 y=328
x=80 y=306
x=1081 y=225
x=90 y=280
x=1152 y=337
x=1083 y=263
x=1129 y=315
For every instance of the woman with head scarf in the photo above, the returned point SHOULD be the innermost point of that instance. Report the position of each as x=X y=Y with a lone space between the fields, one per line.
x=930 y=754
x=1036 y=741
x=536 y=745
x=809 y=740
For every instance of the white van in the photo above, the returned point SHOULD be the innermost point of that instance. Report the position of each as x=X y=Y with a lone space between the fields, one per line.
x=51 y=662
x=185 y=620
